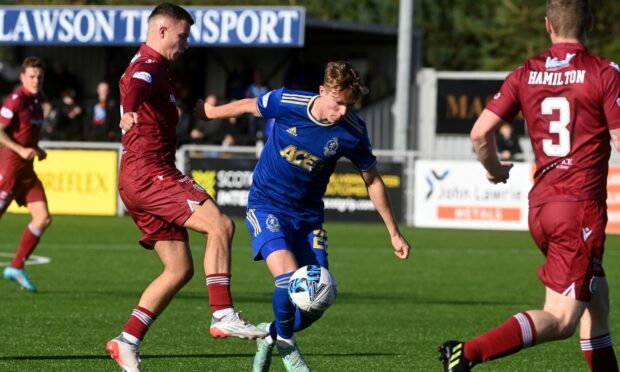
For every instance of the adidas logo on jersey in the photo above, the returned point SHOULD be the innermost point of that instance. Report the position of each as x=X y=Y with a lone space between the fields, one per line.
x=292 y=131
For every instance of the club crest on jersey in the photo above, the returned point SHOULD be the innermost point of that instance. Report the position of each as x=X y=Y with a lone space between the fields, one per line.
x=272 y=223
x=331 y=147
x=555 y=63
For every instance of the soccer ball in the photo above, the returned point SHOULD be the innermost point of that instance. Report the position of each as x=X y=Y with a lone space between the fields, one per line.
x=312 y=288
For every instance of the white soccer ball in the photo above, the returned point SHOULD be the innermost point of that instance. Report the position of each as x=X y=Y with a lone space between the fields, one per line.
x=312 y=288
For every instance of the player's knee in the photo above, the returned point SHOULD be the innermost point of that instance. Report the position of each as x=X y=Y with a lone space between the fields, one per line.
x=184 y=274
x=42 y=222
x=47 y=220
x=565 y=327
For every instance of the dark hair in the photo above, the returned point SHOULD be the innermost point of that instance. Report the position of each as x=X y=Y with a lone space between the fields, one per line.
x=35 y=62
x=569 y=18
x=341 y=76
x=172 y=11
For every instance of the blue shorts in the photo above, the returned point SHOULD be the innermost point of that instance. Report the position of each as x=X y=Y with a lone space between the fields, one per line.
x=272 y=232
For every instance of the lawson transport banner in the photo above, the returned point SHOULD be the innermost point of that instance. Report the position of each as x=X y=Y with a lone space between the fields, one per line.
x=214 y=26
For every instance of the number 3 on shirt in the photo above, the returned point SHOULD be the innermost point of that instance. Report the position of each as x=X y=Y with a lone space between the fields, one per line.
x=548 y=106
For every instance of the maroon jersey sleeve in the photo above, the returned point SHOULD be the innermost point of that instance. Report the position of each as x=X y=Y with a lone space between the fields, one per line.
x=610 y=80
x=9 y=109
x=505 y=103
x=138 y=88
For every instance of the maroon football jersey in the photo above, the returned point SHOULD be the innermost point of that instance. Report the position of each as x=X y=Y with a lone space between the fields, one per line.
x=21 y=116
x=145 y=88
x=570 y=100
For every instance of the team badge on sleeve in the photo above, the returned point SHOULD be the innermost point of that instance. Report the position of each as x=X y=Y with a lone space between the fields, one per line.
x=6 y=113
x=272 y=223
x=142 y=75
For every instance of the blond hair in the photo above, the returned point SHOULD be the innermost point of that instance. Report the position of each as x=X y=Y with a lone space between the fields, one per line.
x=341 y=77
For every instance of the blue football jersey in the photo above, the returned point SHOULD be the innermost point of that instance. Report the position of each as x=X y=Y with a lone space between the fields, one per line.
x=300 y=155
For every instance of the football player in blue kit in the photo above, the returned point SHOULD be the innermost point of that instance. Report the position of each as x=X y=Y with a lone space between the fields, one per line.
x=285 y=205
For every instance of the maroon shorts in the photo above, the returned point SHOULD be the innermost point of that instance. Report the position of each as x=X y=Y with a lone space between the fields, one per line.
x=161 y=205
x=571 y=235
x=22 y=186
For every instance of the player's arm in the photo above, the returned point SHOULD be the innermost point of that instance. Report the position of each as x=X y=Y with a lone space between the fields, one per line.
x=379 y=197
x=138 y=91
x=26 y=153
x=483 y=138
x=615 y=138
x=206 y=111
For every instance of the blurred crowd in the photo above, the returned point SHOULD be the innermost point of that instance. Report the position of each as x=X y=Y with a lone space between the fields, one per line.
x=71 y=114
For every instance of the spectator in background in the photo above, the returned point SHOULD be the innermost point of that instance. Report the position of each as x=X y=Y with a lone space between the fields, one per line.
x=377 y=83
x=209 y=133
x=184 y=125
x=301 y=75
x=50 y=120
x=69 y=125
x=256 y=125
x=9 y=73
x=236 y=82
x=59 y=80
x=507 y=143
x=103 y=118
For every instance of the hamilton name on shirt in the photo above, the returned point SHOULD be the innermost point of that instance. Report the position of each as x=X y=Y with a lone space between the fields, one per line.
x=556 y=77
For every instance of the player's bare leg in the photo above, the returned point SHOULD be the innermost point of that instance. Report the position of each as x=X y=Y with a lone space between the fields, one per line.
x=208 y=219
x=30 y=239
x=558 y=319
x=178 y=270
x=594 y=333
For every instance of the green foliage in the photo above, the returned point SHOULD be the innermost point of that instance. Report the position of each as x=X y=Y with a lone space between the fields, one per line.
x=499 y=35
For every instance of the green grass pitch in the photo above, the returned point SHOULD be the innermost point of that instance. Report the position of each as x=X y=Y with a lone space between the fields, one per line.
x=389 y=314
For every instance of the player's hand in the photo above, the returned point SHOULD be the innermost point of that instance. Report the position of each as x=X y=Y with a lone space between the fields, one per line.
x=199 y=110
x=128 y=120
x=501 y=174
x=202 y=110
x=41 y=154
x=401 y=246
x=27 y=153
